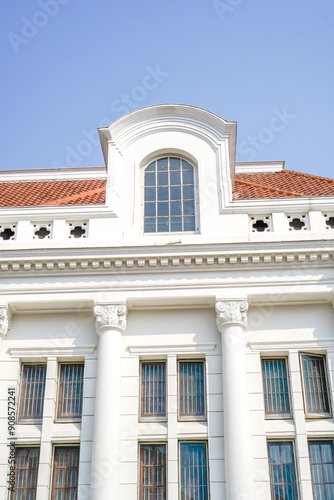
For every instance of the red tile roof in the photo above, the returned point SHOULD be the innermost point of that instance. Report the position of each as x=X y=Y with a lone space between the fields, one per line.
x=281 y=184
x=45 y=193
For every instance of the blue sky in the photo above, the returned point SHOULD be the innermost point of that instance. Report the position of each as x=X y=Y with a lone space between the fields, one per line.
x=70 y=66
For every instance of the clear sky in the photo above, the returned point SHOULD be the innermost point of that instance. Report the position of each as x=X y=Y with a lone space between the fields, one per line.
x=70 y=66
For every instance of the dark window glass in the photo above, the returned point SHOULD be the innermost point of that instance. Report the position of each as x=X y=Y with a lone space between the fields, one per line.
x=191 y=389
x=169 y=186
x=315 y=385
x=65 y=473
x=322 y=469
x=152 y=472
x=275 y=387
x=70 y=391
x=32 y=391
x=282 y=471
x=193 y=471
x=26 y=468
x=153 y=390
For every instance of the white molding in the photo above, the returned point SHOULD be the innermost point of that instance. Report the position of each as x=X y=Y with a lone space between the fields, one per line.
x=52 y=174
x=298 y=345
x=47 y=351
x=172 y=349
x=258 y=167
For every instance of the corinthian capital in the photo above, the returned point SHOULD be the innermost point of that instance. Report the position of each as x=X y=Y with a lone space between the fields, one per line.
x=231 y=312
x=110 y=316
x=5 y=319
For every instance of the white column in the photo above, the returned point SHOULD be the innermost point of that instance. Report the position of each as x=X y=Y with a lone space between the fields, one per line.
x=105 y=479
x=231 y=322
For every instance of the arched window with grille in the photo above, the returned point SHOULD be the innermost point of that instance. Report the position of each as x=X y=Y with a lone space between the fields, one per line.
x=169 y=199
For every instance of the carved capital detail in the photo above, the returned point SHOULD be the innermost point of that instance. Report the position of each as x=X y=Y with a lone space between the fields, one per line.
x=112 y=316
x=234 y=312
x=5 y=320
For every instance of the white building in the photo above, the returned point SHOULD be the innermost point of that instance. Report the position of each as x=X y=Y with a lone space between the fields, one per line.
x=167 y=323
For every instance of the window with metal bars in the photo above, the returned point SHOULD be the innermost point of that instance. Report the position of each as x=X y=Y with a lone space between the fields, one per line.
x=169 y=200
x=152 y=472
x=32 y=392
x=65 y=473
x=70 y=391
x=191 y=390
x=275 y=387
x=26 y=469
x=283 y=480
x=315 y=386
x=153 y=390
x=193 y=471
x=322 y=469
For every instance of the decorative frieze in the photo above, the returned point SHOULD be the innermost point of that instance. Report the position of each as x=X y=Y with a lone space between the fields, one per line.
x=234 y=312
x=113 y=316
x=5 y=319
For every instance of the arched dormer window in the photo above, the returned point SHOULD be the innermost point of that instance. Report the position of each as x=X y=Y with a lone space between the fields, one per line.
x=169 y=202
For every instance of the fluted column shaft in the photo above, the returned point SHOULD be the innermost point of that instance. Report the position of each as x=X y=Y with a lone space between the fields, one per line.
x=231 y=322
x=110 y=324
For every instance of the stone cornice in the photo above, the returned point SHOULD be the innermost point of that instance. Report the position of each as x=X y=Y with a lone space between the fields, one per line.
x=231 y=312
x=185 y=258
x=5 y=319
x=110 y=317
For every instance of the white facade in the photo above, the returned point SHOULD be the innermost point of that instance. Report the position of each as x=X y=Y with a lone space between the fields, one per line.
x=117 y=296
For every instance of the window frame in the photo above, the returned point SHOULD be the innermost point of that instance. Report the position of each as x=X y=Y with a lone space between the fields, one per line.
x=152 y=418
x=61 y=418
x=292 y=443
x=318 y=441
x=280 y=416
x=140 y=469
x=53 y=469
x=193 y=163
x=190 y=418
x=29 y=420
x=308 y=414
x=207 y=463
x=11 y=495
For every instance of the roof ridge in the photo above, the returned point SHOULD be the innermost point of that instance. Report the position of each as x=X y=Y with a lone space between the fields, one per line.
x=308 y=175
x=262 y=186
x=74 y=197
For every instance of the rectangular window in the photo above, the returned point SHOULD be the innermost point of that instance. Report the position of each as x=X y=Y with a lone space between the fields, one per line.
x=322 y=469
x=315 y=385
x=282 y=471
x=65 y=473
x=32 y=392
x=191 y=390
x=275 y=387
x=153 y=390
x=193 y=471
x=70 y=391
x=26 y=468
x=152 y=472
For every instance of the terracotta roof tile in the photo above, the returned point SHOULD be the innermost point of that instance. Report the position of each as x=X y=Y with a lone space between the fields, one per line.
x=43 y=193
x=281 y=184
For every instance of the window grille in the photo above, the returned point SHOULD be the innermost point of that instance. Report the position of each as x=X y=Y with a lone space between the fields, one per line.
x=153 y=390
x=193 y=471
x=191 y=389
x=26 y=469
x=32 y=392
x=282 y=471
x=169 y=196
x=275 y=387
x=315 y=385
x=70 y=391
x=65 y=473
x=322 y=469
x=152 y=472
